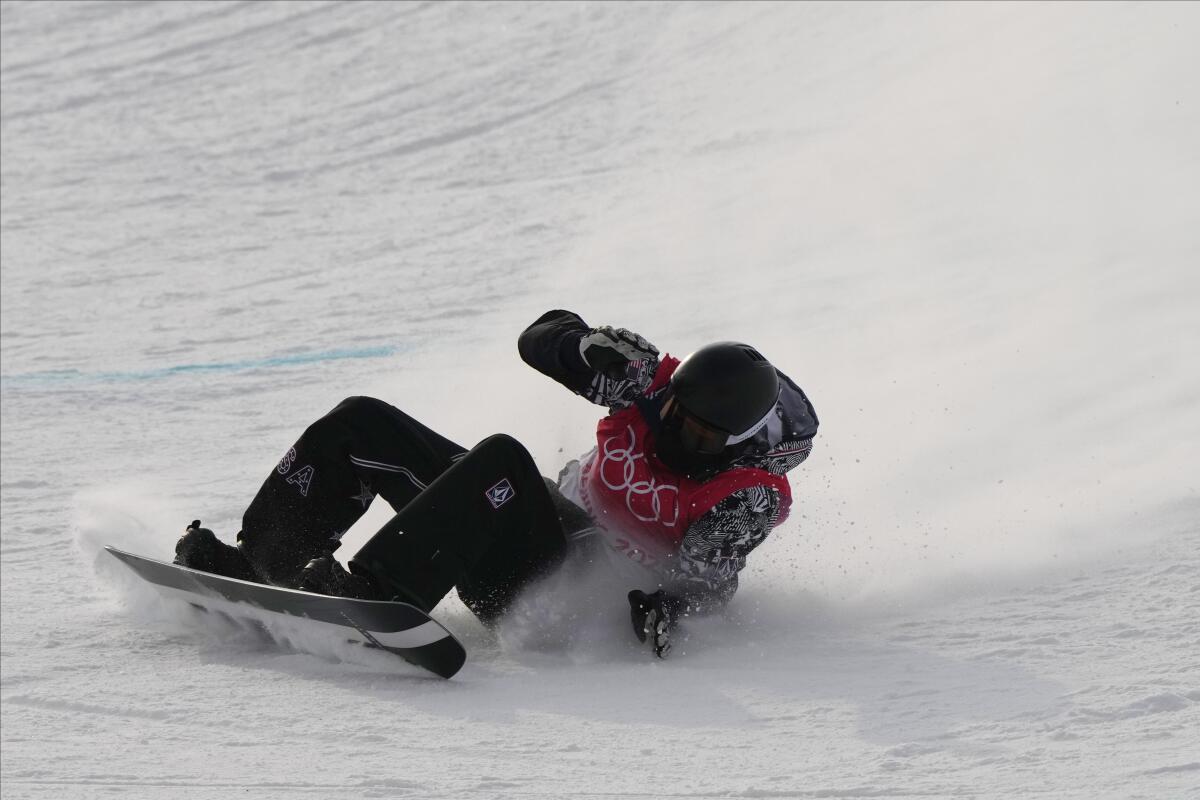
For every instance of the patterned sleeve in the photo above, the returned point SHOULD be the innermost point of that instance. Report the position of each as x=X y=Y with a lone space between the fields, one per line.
x=618 y=394
x=715 y=547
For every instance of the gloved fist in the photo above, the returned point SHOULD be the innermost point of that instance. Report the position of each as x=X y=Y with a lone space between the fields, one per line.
x=653 y=617
x=609 y=350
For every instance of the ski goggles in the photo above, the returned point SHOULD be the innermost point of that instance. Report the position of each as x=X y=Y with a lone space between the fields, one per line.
x=698 y=436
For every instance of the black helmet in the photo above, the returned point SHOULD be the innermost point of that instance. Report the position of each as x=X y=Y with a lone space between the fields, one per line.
x=719 y=396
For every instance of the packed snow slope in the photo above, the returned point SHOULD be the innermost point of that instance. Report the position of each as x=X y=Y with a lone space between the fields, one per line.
x=969 y=231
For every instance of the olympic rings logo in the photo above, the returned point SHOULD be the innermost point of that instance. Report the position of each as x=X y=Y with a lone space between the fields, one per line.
x=650 y=510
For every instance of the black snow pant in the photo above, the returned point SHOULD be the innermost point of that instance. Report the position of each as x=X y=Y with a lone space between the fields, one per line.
x=481 y=520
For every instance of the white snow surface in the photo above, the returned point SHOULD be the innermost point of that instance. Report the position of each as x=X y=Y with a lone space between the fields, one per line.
x=970 y=231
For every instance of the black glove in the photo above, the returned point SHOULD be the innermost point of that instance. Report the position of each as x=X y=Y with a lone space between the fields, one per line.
x=609 y=350
x=653 y=617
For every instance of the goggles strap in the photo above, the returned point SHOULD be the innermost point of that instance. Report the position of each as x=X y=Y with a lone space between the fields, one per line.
x=752 y=430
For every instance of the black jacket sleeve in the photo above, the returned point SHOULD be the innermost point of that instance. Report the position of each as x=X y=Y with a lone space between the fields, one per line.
x=551 y=346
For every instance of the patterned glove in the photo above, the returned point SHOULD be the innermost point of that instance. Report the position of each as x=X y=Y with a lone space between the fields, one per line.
x=609 y=350
x=653 y=617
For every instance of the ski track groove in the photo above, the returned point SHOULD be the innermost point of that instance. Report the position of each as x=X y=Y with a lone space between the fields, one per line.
x=487 y=789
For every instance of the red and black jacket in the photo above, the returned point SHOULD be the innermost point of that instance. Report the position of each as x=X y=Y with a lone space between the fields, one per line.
x=695 y=535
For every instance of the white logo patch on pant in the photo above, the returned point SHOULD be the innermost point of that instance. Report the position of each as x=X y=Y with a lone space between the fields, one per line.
x=500 y=494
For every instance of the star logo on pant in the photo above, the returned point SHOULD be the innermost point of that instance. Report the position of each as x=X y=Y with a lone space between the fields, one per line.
x=364 y=496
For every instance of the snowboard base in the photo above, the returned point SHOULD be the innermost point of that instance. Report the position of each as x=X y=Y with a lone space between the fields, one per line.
x=397 y=627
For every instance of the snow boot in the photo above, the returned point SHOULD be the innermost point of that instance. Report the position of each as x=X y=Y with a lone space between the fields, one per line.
x=199 y=548
x=324 y=575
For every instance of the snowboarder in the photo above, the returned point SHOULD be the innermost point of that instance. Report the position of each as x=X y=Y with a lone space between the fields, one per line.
x=687 y=477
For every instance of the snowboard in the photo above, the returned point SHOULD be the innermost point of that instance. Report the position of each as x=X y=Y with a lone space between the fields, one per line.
x=396 y=627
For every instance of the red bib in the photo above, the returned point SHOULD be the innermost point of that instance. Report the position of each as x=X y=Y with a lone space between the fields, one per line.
x=644 y=506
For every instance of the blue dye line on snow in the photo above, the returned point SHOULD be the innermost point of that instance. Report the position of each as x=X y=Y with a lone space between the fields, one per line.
x=74 y=375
